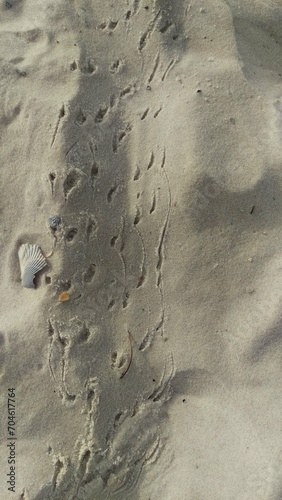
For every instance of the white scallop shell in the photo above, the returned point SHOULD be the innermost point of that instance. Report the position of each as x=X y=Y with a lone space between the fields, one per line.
x=31 y=261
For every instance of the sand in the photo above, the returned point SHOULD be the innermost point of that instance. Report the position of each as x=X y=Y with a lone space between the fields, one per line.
x=153 y=130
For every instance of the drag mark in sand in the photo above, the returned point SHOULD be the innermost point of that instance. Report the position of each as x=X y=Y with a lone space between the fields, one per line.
x=57 y=352
x=57 y=472
x=51 y=332
x=160 y=250
x=122 y=259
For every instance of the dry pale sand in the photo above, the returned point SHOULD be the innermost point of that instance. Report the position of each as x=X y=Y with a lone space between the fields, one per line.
x=153 y=129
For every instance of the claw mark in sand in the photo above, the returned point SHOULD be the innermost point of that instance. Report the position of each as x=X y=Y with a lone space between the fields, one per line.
x=61 y=115
x=143 y=265
x=165 y=27
x=156 y=64
x=151 y=162
x=118 y=137
x=171 y=64
x=137 y=174
x=94 y=167
x=144 y=114
x=164 y=384
x=157 y=112
x=153 y=205
x=137 y=216
x=147 y=34
x=130 y=356
x=111 y=193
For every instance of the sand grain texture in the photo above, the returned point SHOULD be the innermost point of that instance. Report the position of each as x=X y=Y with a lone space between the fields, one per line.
x=153 y=130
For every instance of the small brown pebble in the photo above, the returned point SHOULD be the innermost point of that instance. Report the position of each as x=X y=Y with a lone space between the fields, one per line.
x=64 y=297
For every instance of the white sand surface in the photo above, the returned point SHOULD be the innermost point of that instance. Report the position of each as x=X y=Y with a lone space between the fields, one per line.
x=153 y=130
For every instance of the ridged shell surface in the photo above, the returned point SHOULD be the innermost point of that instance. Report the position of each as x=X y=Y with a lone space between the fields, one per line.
x=31 y=262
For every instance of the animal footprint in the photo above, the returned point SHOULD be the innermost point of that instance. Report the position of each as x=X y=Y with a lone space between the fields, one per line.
x=137 y=216
x=137 y=174
x=113 y=241
x=90 y=273
x=115 y=66
x=90 y=228
x=118 y=137
x=111 y=304
x=110 y=25
x=52 y=177
x=126 y=90
x=84 y=334
x=111 y=192
x=70 y=182
x=119 y=364
x=88 y=68
x=80 y=118
x=93 y=172
x=100 y=115
x=71 y=234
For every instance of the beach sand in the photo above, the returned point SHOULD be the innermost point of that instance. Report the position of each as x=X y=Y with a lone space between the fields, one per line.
x=153 y=130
